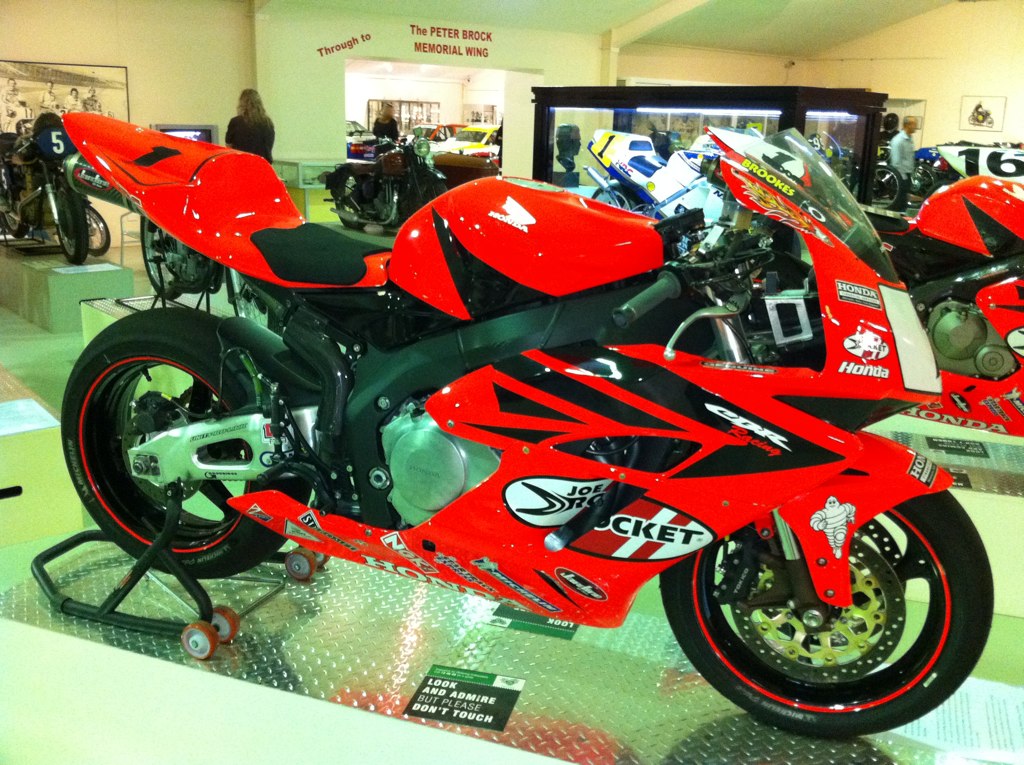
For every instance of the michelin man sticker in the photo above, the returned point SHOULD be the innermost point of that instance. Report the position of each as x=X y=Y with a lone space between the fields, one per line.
x=834 y=520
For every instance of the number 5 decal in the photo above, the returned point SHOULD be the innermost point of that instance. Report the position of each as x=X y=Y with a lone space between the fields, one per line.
x=57 y=141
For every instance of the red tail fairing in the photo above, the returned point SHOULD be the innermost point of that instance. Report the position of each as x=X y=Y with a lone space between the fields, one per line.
x=212 y=199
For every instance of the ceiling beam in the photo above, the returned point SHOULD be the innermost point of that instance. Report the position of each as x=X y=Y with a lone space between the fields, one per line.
x=630 y=31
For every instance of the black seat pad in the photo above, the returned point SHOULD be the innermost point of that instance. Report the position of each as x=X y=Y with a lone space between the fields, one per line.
x=314 y=253
x=645 y=165
x=888 y=224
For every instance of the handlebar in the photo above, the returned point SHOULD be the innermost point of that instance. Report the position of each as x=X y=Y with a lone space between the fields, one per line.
x=666 y=287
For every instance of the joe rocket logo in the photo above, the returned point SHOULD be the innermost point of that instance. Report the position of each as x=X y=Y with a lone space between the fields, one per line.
x=866 y=345
x=515 y=215
x=869 y=347
x=645 y=530
x=552 y=501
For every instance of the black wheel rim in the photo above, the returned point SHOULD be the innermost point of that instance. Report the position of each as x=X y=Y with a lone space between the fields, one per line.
x=911 y=559
x=105 y=433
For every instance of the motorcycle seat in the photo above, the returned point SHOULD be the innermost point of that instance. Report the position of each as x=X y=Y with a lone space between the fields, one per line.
x=314 y=253
x=646 y=165
x=887 y=223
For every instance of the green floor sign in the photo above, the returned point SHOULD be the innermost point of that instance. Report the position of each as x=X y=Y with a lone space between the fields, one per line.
x=466 y=697
x=514 y=619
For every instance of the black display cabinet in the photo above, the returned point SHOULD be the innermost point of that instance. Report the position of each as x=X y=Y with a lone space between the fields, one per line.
x=845 y=123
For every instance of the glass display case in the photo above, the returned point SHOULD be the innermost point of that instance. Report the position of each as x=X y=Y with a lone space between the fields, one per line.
x=842 y=123
x=303 y=175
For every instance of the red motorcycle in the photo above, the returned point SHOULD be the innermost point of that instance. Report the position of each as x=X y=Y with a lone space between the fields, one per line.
x=464 y=411
x=962 y=257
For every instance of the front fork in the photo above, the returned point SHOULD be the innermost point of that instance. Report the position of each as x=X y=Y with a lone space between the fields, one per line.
x=804 y=599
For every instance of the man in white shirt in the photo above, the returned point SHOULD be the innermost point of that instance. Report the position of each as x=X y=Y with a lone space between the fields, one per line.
x=901 y=160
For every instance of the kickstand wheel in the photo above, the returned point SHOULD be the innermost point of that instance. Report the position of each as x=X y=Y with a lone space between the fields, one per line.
x=200 y=640
x=227 y=623
x=300 y=564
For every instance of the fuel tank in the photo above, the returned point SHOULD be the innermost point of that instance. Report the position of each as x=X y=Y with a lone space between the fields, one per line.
x=982 y=214
x=497 y=242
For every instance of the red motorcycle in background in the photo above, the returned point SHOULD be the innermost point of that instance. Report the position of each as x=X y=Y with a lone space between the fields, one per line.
x=962 y=257
x=464 y=410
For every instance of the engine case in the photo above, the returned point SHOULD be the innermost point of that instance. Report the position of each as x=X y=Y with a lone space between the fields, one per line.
x=966 y=343
x=429 y=468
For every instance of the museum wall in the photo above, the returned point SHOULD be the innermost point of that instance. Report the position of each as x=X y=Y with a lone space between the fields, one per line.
x=187 y=60
x=960 y=49
x=668 y=65
x=363 y=88
x=301 y=53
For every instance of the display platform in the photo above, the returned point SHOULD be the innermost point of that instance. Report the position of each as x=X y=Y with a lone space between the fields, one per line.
x=46 y=290
x=372 y=641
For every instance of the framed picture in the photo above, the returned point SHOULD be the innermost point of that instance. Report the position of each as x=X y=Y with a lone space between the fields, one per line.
x=31 y=88
x=982 y=113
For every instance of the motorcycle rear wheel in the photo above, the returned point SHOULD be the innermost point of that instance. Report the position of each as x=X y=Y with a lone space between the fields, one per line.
x=99 y=233
x=72 y=228
x=175 y=353
x=874 y=666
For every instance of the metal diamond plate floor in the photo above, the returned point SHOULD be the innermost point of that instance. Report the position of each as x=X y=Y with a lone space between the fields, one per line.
x=993 y=468
x=366 y=639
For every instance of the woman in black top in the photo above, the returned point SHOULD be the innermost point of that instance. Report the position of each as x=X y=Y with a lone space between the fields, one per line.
x=386 y=126
x=252 y=130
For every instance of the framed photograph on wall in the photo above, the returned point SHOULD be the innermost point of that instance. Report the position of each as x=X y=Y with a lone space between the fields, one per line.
x=982 y=112
x=31 y=88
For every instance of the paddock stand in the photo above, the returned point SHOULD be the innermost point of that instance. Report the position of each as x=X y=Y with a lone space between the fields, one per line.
x=214 y=625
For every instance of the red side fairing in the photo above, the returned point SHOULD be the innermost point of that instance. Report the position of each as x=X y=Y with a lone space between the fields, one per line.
x=981 y=403
x=952 y=215
x=537 y=238
x=209 y=197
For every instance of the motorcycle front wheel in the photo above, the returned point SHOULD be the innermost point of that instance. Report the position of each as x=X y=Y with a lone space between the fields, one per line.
x=145 y=374
x=921 y=612
x=72 y=229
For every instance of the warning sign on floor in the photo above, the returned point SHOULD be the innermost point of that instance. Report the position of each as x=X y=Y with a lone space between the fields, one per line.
x=466 y=697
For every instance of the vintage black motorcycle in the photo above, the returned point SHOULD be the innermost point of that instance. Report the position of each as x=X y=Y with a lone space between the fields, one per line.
x=387 y=190
x=32 y=185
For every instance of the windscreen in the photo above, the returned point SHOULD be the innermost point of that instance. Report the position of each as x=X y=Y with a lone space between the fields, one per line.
x=797 y=173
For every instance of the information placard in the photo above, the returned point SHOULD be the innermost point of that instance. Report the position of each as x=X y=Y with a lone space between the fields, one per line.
x=466 y=697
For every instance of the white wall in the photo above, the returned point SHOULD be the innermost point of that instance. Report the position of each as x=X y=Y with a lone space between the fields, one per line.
x=304 y=85
x=663 y=62
x=360 y=88
x=187 y=60
x=955 y=50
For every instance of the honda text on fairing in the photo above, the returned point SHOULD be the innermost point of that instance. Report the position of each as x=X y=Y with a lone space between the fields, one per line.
x=462 y=410
x=32 y=184
x=962 y=256
x=641 y=180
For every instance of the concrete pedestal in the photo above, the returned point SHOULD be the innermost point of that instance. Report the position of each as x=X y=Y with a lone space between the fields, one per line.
x=47 y=290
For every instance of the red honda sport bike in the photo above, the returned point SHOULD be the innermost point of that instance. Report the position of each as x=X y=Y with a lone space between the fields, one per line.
x=545 y=401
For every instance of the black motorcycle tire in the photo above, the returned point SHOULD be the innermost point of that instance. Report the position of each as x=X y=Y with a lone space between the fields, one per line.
x=616 y=196
x=802 y=699
x=887 y=184
x=72 y=228
x=99 y=233
x=140 y=352
x=343 y=201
